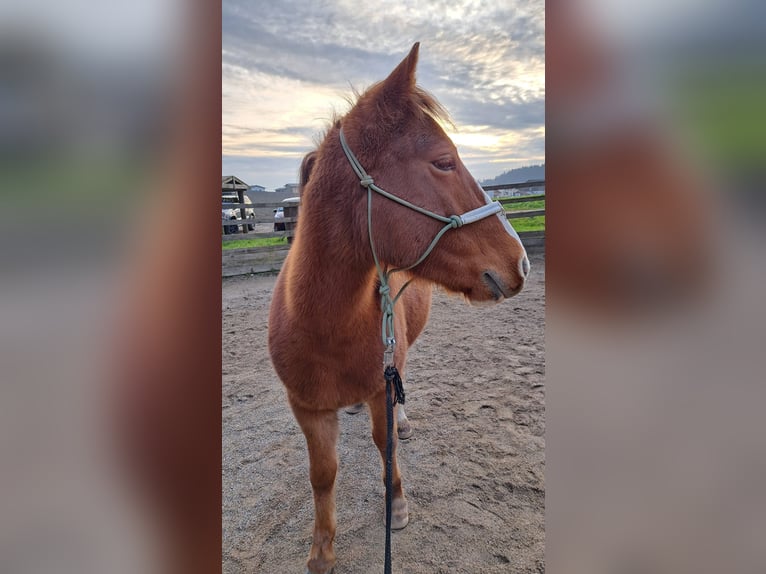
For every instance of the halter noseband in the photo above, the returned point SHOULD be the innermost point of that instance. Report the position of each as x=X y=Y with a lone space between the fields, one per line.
x=451 y=222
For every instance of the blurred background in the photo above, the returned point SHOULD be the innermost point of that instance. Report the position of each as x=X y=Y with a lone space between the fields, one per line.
x=655 y=269
x=109 y=412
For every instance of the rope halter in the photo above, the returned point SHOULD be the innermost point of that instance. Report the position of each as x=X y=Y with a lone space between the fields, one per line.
x=388 y=302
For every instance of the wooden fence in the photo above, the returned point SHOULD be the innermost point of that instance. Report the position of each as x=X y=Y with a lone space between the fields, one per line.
x=268 y=259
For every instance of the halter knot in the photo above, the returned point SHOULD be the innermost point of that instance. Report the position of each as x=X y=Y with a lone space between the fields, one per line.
x=366 y=181
x=456 y=221
x=384 y=290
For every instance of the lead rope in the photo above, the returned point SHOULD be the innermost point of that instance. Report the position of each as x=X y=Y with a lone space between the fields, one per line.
x=387 y=303
x=392 y=380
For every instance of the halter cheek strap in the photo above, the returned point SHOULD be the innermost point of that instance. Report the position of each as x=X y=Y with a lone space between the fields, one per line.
x=452 y=222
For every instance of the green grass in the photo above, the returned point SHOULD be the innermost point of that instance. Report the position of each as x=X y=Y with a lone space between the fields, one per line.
x=254 y=242
x=536 y=223
x=535 y=204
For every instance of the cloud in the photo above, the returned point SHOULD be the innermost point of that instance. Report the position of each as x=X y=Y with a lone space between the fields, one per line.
x=287 y=66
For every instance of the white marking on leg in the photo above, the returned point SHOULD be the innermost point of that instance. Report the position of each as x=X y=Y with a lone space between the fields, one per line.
x=401 y=416
x=404 y=428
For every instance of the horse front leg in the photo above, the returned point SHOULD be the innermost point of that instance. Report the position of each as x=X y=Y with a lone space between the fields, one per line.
x=321 y=432
x=404 y=428
x=399 y=510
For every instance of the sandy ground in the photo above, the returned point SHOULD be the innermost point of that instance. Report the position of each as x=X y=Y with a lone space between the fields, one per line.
x=473 y=471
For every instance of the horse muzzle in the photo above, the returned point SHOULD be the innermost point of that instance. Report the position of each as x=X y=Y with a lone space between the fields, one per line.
x=501 y=289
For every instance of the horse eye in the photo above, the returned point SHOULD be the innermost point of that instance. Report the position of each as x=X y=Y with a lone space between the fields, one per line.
x=446 y=164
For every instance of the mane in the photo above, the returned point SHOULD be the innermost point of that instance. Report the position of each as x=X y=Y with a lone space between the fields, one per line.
x=428 y=105
x=422 y=102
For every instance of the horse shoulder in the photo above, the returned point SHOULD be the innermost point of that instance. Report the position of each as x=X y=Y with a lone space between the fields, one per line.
x=417 y=305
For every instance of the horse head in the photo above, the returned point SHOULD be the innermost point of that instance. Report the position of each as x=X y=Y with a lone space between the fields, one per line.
x=395 y=131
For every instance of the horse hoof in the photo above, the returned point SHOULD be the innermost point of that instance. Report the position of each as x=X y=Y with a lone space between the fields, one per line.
x=352 y=410
x=330 y=571
x=400 y=515
x=399 y=523
x=405 y=430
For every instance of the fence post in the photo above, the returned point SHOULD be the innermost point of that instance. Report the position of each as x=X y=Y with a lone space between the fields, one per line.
x=291 y=211
x=242 y=212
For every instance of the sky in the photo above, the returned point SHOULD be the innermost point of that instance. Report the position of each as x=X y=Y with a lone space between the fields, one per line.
x=288 y=65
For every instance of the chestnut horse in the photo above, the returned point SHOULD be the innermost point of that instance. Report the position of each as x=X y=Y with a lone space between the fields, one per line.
x=325 y=318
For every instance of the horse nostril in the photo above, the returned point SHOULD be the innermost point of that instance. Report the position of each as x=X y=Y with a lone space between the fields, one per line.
x=524 y=266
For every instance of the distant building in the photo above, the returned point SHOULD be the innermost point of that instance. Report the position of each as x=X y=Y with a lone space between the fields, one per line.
x=291 y=188
x=257 y=188
x=513 y=190
x=536 y=189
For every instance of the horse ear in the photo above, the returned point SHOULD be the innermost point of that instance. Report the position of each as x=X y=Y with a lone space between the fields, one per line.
x=305 y=172
x=402 y=79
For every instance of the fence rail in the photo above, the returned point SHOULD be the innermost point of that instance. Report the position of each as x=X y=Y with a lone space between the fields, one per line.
x=256 y=221
x=269 y=259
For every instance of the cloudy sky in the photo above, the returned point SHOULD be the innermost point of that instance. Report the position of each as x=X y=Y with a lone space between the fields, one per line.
x=288 y=64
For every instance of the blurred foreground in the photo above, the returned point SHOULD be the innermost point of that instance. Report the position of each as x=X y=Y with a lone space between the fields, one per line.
x=655 y=324
x=109 y=407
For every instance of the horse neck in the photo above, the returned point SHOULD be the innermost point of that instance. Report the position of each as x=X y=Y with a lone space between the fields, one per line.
x=329 y=276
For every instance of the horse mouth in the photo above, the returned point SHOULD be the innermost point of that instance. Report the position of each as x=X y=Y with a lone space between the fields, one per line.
x=497 y=287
